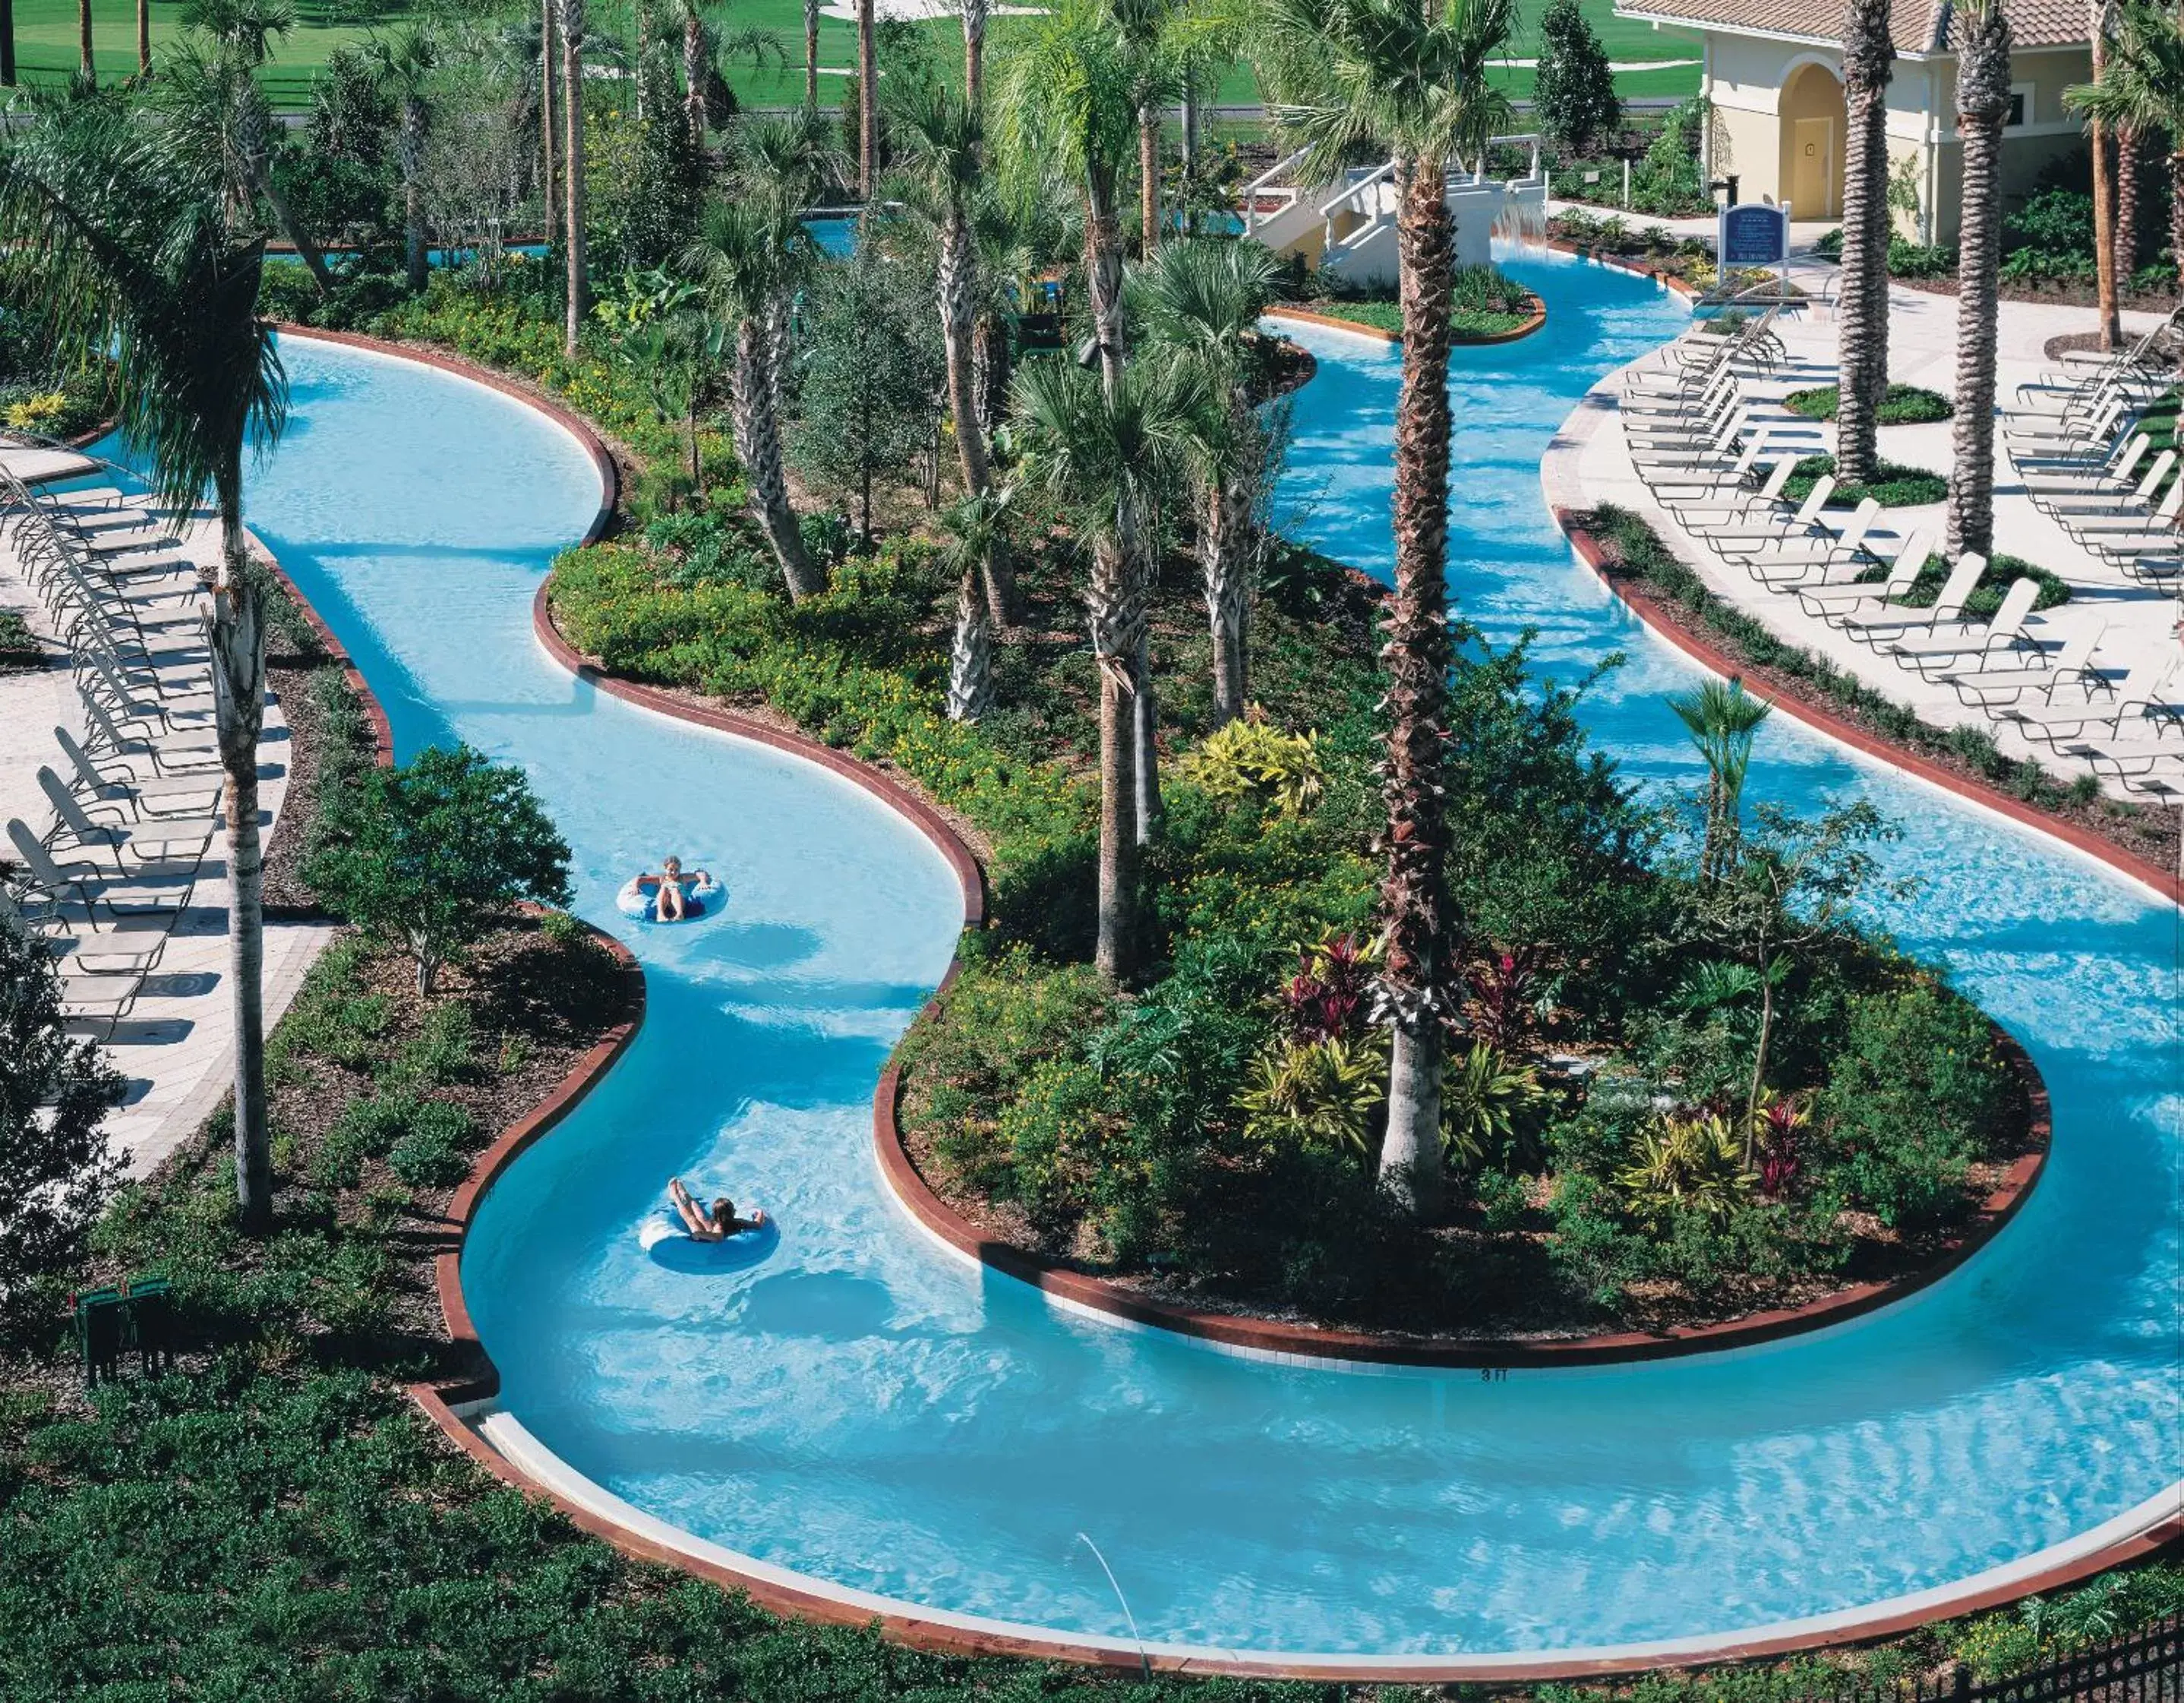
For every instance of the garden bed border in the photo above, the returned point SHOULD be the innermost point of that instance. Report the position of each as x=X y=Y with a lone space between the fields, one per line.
x=1306 y=316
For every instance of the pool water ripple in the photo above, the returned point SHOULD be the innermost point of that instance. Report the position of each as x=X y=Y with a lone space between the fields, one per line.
x=862 y=1409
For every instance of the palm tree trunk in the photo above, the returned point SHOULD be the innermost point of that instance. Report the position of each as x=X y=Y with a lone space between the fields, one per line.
x=144 y=38
x=86 y=68
x=1144 y=739
x=1221 y=561
x=974 y=54
x=1862 y=311
x=1415 y=893
x=812 y=53
x=757 y=445
x=1982 y=109
x=572 y=129
x=7 y=44
x=2104 y=271
x=1103 y=270
x=251 y=143
x=413 y=187
x=990 y=360
x=549 y=159
x=958 y=289
x=2176 y=204
x=970 y=653
x=238 y=644
x=2129 y=212
x=868 y=104
x=1148 y=183
x=693 y=75
x=1117 y=617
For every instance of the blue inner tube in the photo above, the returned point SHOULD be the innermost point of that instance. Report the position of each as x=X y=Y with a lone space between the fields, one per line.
x=640 y=899
x=672 y=1246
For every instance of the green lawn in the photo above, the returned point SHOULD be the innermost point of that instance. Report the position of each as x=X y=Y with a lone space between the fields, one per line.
x=46 y=47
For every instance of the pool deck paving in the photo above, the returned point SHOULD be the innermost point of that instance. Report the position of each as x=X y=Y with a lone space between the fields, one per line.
x=1589 y=464
x=176 y=1046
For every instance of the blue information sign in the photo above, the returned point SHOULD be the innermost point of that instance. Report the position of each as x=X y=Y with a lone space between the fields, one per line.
x=1753 y=234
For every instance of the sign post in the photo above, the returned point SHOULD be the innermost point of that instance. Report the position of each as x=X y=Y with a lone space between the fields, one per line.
x=1754 y=234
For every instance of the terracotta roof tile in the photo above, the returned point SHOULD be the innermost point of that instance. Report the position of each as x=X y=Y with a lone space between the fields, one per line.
x=1916 y=26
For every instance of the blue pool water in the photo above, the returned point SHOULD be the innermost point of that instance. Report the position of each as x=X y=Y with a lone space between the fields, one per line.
x=860 y=1409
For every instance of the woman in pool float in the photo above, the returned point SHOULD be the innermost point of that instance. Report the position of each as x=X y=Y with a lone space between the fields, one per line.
x=715 y=1226
x=669 y=904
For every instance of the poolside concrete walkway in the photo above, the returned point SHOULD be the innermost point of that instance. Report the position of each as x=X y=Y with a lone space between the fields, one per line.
x=1589 y=463
x=176 y=1045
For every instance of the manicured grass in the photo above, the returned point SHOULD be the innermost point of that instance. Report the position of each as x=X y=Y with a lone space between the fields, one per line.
x=46 y=40
x=1905 y=405
x=1388 y=316
x=1899 y=487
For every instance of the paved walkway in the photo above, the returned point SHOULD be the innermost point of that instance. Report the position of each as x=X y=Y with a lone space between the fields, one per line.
x=1589 y=463
x=176 y=1046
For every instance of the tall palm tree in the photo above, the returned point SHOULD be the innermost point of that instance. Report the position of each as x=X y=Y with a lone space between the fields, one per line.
x=2141 y=86
x=868 y=104
x=1723 y=721
x=1861 y=304
x=572 y=174
x=1205 y=298
x=143 y=38
x=85 y=69
x=211 y=100
x=2100 y=26
x=747 y=256
x=697 y=66
x=1112 y=452
x=811 y=54
x=2130 y=199
x=974 y=53
x=402 y=66
x=1982 y=110
x=1409 y=77
x=550 y=162
x=139 y=251
x=1150 y=30
x=938 y=138
x=975 y=527
x=785 y=162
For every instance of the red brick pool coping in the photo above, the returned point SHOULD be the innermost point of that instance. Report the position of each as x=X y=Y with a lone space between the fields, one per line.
x=1537 y=318
x=438 y=1400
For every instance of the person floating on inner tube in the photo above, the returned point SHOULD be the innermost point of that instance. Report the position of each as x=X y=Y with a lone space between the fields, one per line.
x=668 y=905
x=715 y=1226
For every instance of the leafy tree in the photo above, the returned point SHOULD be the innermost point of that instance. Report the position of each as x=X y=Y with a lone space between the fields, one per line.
x=55 y=1167
x=1574 y=98
x=2141 y=89
x=1406 y=78
x=871 y=375
x=124 y=240
x=427 y=854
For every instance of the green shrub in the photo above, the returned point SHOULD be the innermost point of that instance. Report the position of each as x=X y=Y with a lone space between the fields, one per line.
x=433 y=1152
x=1898 y=486
x=1905 y=405
x=1915 y=1096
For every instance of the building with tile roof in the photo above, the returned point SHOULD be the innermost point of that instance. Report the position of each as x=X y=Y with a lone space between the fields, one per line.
x=1773 y=73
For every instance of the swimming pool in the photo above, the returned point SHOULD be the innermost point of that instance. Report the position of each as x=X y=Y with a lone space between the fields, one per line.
x=865 y=1411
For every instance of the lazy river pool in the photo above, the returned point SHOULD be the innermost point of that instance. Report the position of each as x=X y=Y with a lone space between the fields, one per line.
x=863 y=1410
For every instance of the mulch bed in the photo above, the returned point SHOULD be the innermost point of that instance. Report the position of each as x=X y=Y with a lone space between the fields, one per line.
x=291 y=679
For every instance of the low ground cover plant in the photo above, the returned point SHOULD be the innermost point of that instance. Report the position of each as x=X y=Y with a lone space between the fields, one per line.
x=1905 y=405
x=1898 y=487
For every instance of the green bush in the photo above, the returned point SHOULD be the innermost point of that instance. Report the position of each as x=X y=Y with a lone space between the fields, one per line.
x=1898 y=487
x=1905 y=405
x=434 y=1150
x=1914 y=1098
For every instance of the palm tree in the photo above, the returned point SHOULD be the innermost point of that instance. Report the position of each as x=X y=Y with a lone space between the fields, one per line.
x=549 y=159
x=1205 y=297
x=868 y=104
x=402 y=66
x=1148 y=29
x=1723 y=721
x=974 y=53
x=143 y=38
x=572 y=175
x=747 y=256
x=1982 y=110
x=1065 y=104
x=937 y=139
x=2142 y=88
x=85 y=69
x=2101 y=25
x=212 y=99
x=1861 y=310
x=1112 y=451
x=975 y=525
x=812 y=55
x=1409 y=76
x=143 y=254
x=697 y=67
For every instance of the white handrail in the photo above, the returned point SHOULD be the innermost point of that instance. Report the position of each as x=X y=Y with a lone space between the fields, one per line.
x=1249 y=195
x=1327 y=208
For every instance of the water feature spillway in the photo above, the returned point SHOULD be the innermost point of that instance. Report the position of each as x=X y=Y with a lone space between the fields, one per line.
x=863 y=1410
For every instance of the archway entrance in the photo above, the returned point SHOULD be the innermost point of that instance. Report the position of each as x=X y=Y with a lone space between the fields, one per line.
x=1811 y=117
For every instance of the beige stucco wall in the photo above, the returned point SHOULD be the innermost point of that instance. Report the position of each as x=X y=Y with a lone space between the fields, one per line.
x=1746 y=78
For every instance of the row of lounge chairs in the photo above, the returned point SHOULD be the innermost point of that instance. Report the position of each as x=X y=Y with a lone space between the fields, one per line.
x=1718 y=453
x=133 y=805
